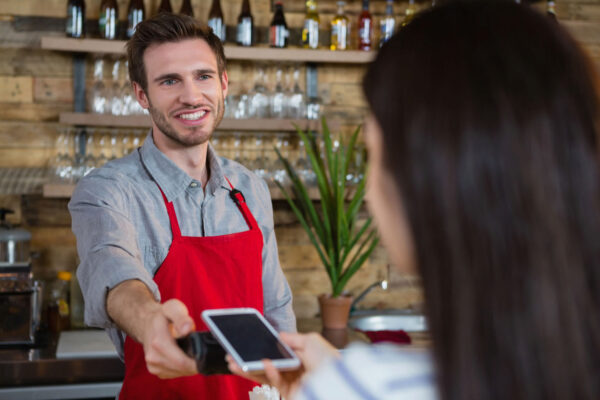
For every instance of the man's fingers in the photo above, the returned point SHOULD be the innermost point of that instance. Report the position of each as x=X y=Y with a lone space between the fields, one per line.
x=165 y=359
x=179 y=316
x=170 y=365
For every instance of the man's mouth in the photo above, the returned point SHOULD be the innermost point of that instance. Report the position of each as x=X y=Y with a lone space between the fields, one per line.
x=194 y=116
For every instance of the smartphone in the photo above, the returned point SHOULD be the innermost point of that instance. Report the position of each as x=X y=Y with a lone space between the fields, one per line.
x=249 y=338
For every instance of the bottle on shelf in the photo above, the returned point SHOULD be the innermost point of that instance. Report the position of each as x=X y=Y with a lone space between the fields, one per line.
x=278 y=32
x=551 y=9
x=216 y=21
x=409 y=13
x=108 y=19
x=310 y=31
x=75 y=23
x=365 y=27
x=387 y=24
x=165 y=6
x=59 y=315
x=340 y=29
x=135 y=14
x=186 y=8
x=245 y=26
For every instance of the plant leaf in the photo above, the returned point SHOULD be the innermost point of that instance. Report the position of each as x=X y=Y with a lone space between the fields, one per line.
x=304 y=198
x=322 y=183
x=351 y=150
x=353 y=268
x=357 y=200
x=310 y=233
x=356 y=239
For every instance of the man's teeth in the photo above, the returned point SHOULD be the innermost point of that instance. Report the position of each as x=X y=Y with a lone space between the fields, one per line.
x=196 y=115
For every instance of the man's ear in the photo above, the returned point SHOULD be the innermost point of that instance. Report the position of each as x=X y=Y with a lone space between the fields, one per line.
x=224 y=83
x=140 y=95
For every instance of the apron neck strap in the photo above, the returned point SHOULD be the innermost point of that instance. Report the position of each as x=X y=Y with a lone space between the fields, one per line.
x=240 y=201
x=172 y=216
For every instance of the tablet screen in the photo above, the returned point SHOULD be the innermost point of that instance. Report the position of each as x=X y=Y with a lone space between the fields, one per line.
x=251 y=339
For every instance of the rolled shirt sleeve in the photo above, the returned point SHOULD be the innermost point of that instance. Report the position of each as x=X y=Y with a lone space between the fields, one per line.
x=106 y=243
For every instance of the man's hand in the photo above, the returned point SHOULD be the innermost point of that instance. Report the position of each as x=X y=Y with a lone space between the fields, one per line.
x=163 y=357
x=312 y=349
x=133 y=308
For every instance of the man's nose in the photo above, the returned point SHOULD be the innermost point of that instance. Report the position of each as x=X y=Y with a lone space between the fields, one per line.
x=190 y=94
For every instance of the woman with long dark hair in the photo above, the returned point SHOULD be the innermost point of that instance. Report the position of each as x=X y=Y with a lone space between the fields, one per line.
x=484 y=178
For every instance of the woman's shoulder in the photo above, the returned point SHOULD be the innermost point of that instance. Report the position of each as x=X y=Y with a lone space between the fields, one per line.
x=384 y=371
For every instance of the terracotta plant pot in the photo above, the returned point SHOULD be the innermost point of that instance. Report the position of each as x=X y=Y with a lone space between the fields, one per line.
x=335 y=310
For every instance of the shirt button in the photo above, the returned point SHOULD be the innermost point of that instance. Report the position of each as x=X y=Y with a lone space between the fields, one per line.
x=193 y=184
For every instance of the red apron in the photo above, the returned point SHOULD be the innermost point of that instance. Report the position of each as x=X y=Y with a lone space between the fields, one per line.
x=203 y=272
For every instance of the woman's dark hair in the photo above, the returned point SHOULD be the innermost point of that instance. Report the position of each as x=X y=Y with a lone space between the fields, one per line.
x=166 y=28
x=490 y=129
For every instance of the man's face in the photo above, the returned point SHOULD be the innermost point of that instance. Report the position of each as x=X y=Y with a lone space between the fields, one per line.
x=185 y=94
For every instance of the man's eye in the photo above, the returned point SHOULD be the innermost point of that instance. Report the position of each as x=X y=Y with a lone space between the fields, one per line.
x=169 y=82
x=204 y=77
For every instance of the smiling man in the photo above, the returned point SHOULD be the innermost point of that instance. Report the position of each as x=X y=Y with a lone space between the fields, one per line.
x=165 y=232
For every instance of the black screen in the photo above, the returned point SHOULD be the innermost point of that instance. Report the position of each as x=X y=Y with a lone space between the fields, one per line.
x=252 y=340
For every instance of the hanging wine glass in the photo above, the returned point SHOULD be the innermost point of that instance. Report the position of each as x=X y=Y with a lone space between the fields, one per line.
x=259 y=98
x=62 y=164
x=278 y=103
x=97 y=95
x=116 y=91
x=297 y=99
x=89 y=159
x=103 y=149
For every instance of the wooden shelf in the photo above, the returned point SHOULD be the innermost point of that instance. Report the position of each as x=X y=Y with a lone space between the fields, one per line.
x=101 y=46
x=65 y=190
x=227 y=124
x=114 y=121
x=58 y=190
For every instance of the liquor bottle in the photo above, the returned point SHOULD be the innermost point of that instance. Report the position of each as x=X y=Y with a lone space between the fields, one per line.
x=365 y=27
x=387 y=24
x=165 y=6
x=410 y=12
x=109 y=19
x=310 y=32
x=278 y=32
x=551 y=9
x=135 y=14
x=245 y=26
x=59 y=314
x=186 y=8
x=340 y=32
x=215 y=20
x=75 y=24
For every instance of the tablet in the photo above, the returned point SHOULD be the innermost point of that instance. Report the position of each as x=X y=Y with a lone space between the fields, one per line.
x=249 y=338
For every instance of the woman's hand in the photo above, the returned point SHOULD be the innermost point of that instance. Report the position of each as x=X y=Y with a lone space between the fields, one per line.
x=312 y=349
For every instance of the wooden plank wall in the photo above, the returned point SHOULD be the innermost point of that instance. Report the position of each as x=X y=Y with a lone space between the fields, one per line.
x=36 y=85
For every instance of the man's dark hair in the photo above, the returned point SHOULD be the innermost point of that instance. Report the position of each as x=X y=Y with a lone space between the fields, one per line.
x=165 y=28
x=490 y=131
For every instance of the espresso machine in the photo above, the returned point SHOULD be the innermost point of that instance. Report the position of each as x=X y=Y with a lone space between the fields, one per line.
x=20 y=295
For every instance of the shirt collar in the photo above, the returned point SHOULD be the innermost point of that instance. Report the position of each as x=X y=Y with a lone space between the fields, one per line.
x=173 y=180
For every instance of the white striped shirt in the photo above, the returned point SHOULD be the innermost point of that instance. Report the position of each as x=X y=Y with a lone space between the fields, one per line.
x=381 y=372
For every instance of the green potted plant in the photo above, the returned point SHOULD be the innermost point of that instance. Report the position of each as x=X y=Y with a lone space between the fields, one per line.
x=332 y=222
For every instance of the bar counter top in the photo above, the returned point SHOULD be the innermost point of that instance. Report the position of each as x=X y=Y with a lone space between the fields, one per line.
x=34 y=366
x=38 y=365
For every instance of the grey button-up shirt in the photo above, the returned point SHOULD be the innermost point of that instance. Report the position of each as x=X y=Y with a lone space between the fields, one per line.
x=123 y=231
